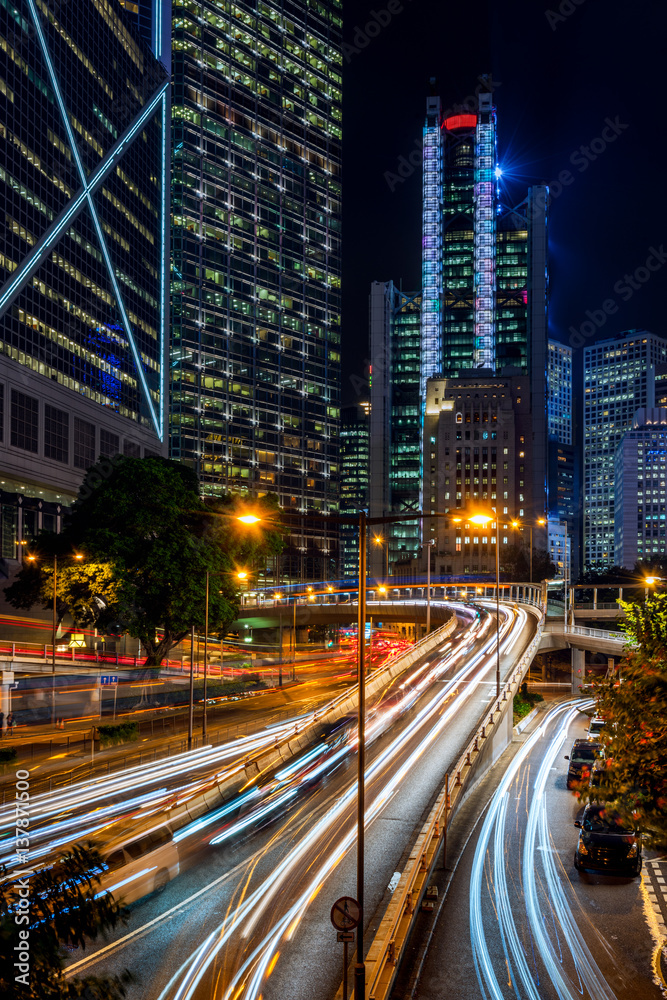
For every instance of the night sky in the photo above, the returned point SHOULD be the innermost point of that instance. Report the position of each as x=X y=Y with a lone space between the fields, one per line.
x=558 y=77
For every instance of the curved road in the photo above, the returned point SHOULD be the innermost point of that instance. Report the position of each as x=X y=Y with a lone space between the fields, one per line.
x=250 y=917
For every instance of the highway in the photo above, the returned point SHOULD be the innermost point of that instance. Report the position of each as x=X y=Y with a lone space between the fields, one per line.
x=249 y=917
x=89 y=808
x=518 y=920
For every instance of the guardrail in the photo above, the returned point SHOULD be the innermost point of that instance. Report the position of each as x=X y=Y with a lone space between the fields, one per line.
x=388 y=945
x=593 y=633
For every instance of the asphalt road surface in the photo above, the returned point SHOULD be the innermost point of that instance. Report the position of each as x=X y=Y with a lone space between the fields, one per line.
x=518 y=919
x=249 y=917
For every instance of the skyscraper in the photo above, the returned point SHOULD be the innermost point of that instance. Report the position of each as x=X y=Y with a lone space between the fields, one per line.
x=255 y=366
x=354 y=474
x=482 y=261
x=485 y=281
x=563 y=503
x=619 y=379
x=84 y=167
x=395 y=435
x=640 y=490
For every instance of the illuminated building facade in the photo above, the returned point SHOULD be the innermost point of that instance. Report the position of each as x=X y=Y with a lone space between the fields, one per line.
x=354 y=479
x=84 y=163
x=256 y=202
x=619 y=378
x=477 y=450
x=640 y=490
x=485 y=286
x=564 y=496
x=395 y=431
x=481 y=260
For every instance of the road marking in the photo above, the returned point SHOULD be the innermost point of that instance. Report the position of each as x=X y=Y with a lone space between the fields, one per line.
x=121 y=942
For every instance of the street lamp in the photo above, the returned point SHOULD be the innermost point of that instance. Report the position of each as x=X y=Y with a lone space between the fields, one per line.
x=361 y=520
x=77 y=556
x=483 y=518
x=519 y=527
x=379 y=540
x=430 y=542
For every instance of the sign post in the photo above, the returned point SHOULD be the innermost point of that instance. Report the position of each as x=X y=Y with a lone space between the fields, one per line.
x=345 y=914
x=110 y=681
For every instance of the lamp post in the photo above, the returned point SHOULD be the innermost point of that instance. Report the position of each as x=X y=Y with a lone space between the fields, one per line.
x=203 y=719
x=518 y=526
x=362 y=521
x=379 y=540
x=54 y=630
x=430 y=542
x=483 y=518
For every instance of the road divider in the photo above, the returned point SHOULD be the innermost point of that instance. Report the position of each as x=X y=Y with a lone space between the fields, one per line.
x=289 y=746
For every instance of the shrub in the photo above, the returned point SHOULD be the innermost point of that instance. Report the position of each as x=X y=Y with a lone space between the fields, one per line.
x=7 y=755
x=124 y=732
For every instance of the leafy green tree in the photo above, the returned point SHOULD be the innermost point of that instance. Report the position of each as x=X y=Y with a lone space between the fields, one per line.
x=634 y=703
x=82 y=588
x=144 y=522
x=63 y=912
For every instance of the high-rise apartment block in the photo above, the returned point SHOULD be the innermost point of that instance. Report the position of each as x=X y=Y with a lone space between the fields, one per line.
x=640 y=490
x=619 y=378
x=256 y=202
x=395 y=430
x=84 y=255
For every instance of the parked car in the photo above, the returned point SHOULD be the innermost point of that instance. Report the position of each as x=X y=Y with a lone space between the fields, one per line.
x=139 y=863
x=605 y=845
x=581 y=757
x=595 y=727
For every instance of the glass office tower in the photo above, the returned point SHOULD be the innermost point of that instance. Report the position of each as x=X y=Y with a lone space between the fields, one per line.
x=620 y=378
x=485 y=279
x=84 y=159
x=354 y=468
x=475 y=256
x=395 y=446
x=256 y=189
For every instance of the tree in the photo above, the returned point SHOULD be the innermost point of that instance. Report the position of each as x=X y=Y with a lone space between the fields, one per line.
x=515 y=564
x=82 y=588
x=634 y=705
x=153 y=537
x=64 y=911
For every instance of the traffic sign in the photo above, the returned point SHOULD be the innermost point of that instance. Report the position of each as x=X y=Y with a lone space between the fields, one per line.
x=345 y=913
x=345 y=936
x=108 y=679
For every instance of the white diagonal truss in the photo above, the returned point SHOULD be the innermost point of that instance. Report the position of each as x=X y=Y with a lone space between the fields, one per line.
x=84 y=198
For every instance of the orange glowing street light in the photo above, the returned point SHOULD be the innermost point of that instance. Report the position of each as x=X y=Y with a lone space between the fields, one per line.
x=248 y=519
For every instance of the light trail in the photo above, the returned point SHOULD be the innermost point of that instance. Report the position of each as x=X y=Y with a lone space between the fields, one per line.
x=384 y=776
x=538 y=854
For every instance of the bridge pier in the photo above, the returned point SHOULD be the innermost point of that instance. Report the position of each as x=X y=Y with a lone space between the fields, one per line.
x=578 y=670
x=6 y=682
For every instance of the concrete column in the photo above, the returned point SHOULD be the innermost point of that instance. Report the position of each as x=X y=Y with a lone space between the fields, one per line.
x=578 y=670
x=6 y=681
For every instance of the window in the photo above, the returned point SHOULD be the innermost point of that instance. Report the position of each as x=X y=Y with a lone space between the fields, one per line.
x=131 y=449
x=109 y=443
x=2 y=412
x=24 y=422
x=84 y=444
x=56 y=434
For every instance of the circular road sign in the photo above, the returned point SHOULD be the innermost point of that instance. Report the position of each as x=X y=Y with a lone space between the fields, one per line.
x=345 y=913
